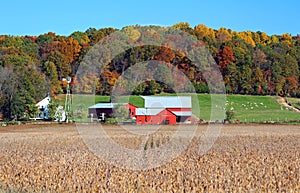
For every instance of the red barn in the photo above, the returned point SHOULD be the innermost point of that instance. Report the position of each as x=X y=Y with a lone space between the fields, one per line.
x=165 y=110
x=132 y=109
x=157 y=110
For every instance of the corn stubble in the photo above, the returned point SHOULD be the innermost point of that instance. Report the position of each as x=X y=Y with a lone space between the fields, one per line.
x=243 y=159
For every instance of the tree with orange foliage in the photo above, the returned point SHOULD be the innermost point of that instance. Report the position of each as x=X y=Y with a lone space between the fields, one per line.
x=290 y=86
x=165 y=54
x=225 y=57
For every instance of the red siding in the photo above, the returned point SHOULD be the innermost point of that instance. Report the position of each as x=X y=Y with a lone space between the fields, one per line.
x=179 y=109
x=132 y=109
x=164 y=117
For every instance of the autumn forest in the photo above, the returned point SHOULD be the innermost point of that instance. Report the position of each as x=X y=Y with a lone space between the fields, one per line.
x=252 y=63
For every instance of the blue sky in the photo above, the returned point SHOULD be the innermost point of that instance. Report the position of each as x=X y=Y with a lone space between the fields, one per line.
x=35 y=17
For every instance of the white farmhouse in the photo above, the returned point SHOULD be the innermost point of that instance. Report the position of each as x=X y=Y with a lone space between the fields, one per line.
x=43 y=108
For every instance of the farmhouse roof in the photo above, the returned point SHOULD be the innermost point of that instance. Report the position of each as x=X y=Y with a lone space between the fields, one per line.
x=167 y=101
x=43 y=103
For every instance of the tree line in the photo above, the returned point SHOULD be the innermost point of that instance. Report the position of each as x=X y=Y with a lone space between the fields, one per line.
x=251 y=63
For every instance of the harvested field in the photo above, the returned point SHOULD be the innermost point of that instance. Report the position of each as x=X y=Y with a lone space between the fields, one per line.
x=244 y=158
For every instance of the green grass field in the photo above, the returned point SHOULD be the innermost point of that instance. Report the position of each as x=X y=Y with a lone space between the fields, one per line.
x=259 y=109
x=246 y=108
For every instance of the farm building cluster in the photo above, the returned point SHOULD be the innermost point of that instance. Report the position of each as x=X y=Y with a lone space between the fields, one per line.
x=156 y=110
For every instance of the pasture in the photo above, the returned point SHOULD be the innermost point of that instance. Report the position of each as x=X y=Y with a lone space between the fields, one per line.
x=250 y=109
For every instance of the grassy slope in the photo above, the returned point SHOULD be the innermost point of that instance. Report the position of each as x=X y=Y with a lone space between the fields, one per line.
x=246 y=108
x=294 y=102
x=260 y=108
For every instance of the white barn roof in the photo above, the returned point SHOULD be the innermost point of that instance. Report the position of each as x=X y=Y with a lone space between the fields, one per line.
x=151 y=111
x=167 y=101
x=144 y=111
x=182 y=113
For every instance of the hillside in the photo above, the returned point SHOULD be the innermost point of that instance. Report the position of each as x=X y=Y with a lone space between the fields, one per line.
x=251 y=63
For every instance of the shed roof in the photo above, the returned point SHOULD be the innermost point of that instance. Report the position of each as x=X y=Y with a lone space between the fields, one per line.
x=106 y=105
x=167 y=101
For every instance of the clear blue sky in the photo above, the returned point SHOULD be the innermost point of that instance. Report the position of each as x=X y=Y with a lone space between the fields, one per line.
x=35 y=17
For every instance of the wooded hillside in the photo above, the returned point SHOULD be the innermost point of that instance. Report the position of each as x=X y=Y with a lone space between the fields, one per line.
x=251 y=63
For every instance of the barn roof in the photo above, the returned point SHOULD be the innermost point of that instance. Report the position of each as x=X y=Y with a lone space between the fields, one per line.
x=167 y=101
x=146 y=111
x=182 y=113
x=106 y=105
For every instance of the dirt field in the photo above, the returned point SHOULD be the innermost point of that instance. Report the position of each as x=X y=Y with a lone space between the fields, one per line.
x=244 y=158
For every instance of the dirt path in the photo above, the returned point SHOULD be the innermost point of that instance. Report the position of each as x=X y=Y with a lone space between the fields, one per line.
x=282 y=102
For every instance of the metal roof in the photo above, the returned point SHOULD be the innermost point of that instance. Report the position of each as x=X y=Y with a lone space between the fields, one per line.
x=167 y=102
x=152 y=111
x=145 y=111
x=106 y=105
x=182 y=113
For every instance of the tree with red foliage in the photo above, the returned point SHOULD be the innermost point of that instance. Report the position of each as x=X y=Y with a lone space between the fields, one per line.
x=290 y=86
x=165 y=54
x=224 y=58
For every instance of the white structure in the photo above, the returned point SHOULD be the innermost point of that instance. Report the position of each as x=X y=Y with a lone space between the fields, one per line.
x=43 y=108
x=167 y=101
x=178 y=105
x=68 y=99
x=60 y=114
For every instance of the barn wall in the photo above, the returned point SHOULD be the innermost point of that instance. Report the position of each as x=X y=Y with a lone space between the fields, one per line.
x=132 y=110
x=164 y=117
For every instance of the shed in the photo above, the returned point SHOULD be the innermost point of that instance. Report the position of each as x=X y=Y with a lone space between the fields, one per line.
x=102 y=110
x=105 y=110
